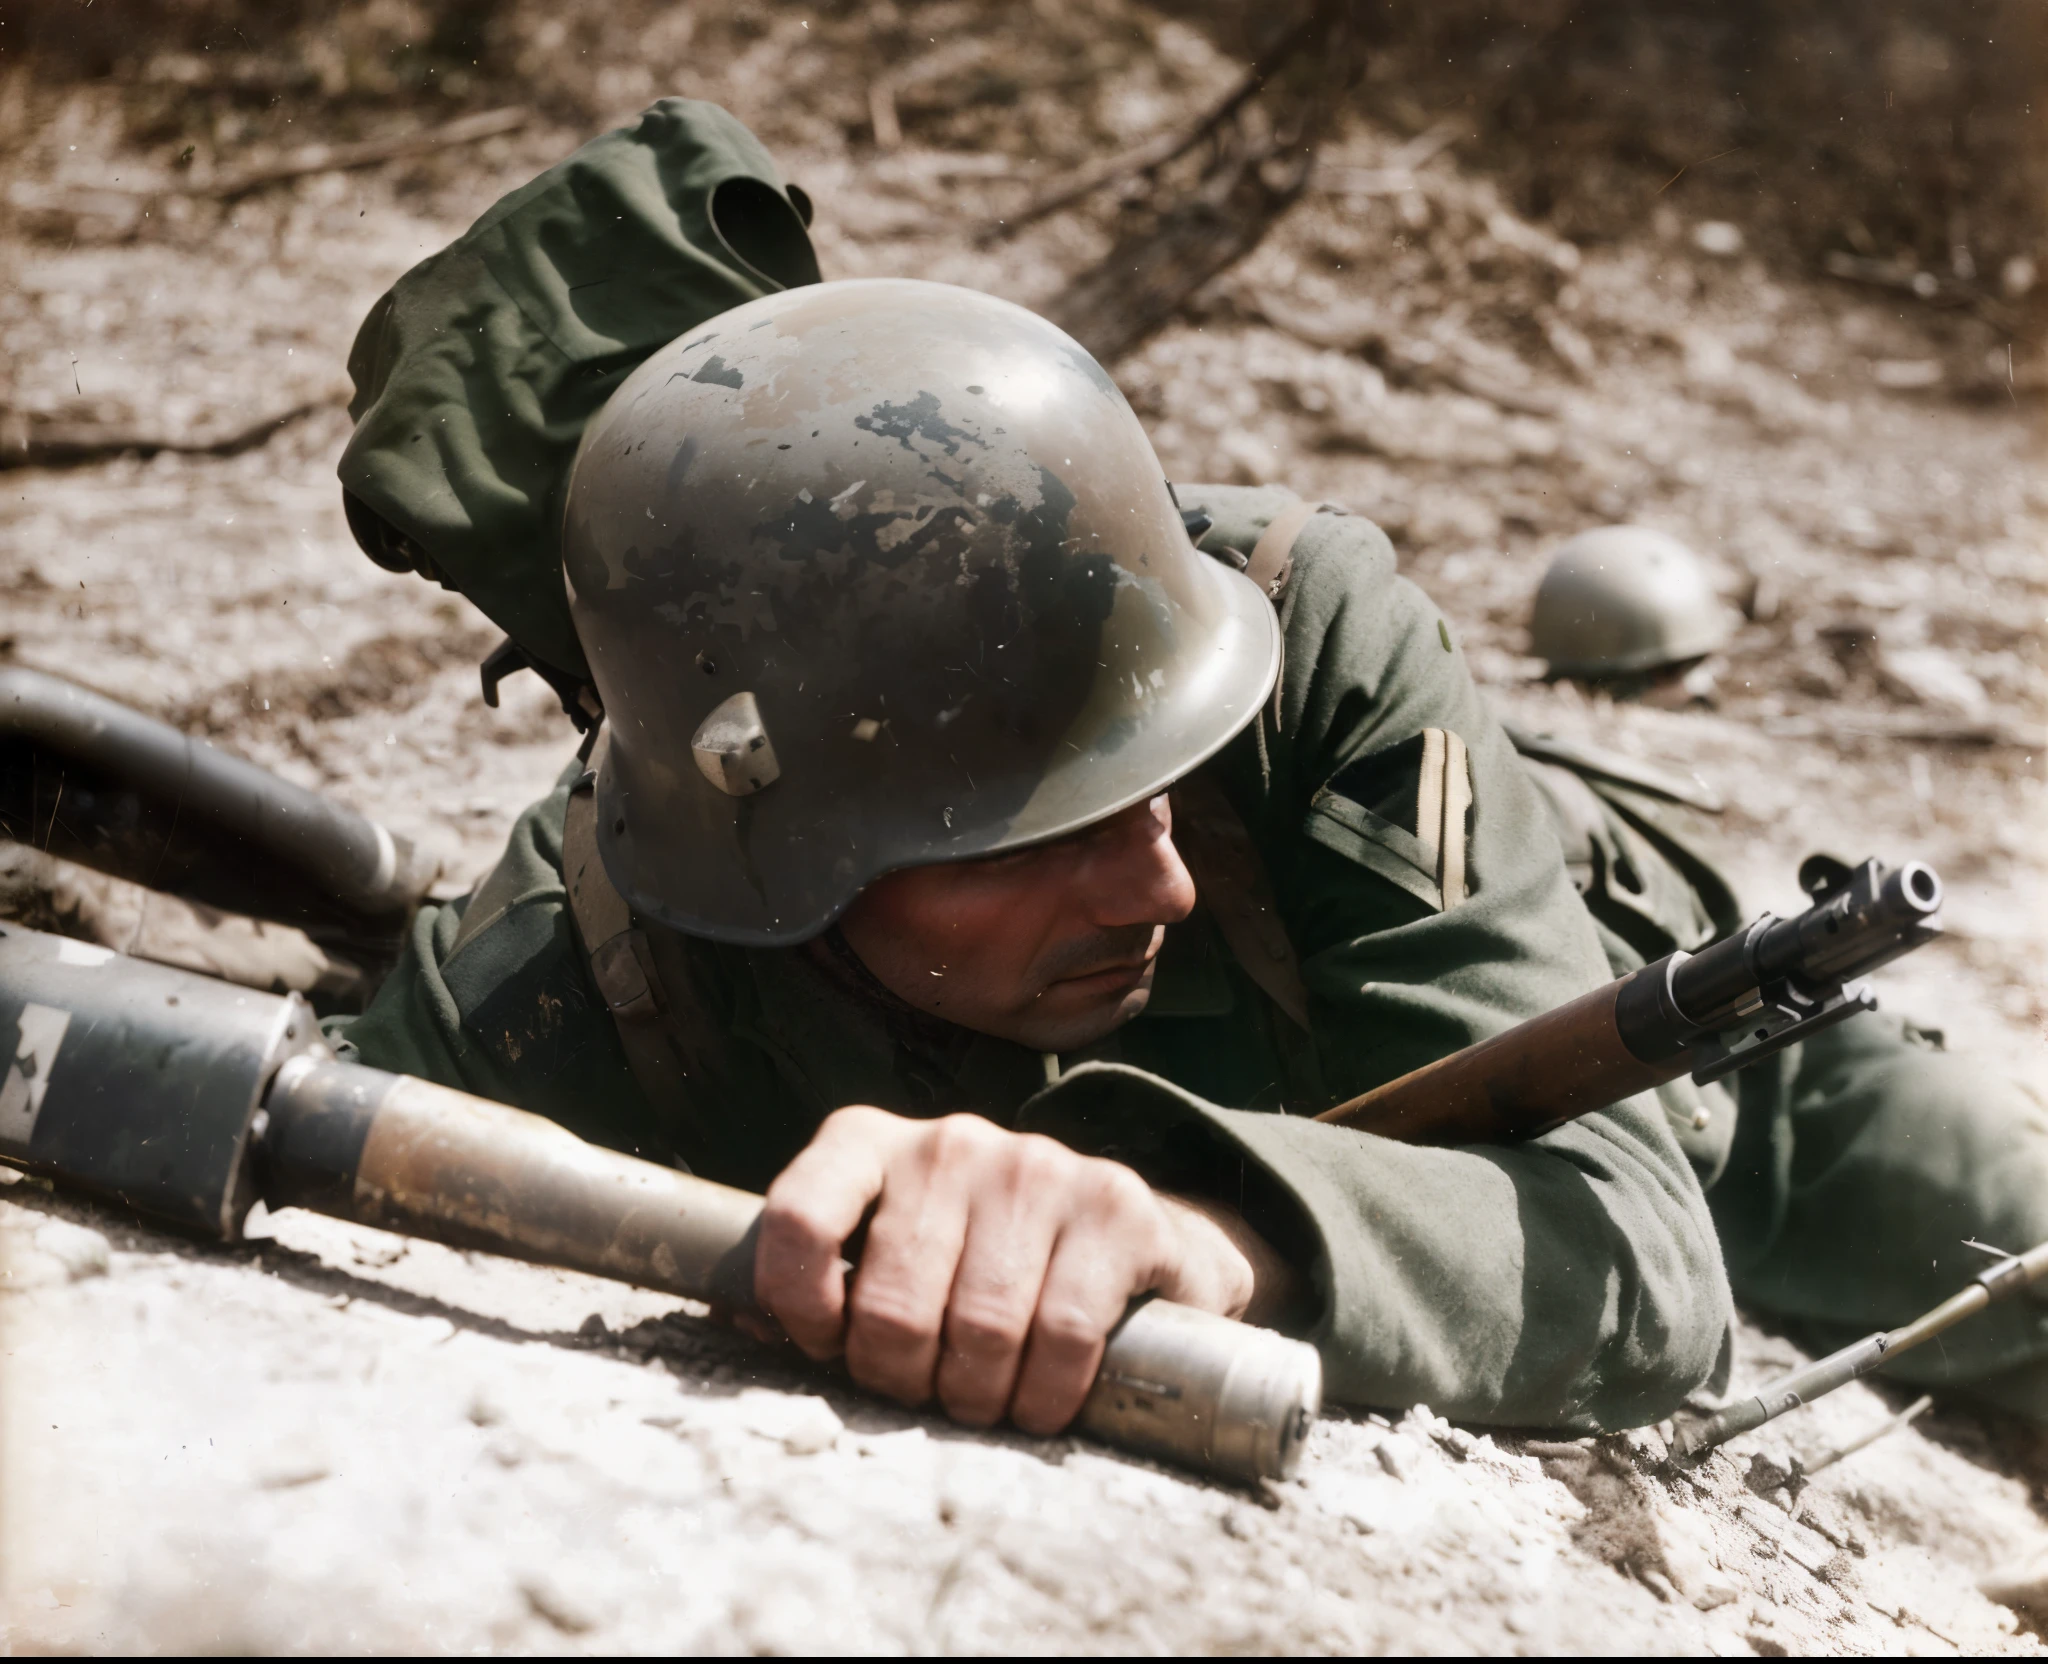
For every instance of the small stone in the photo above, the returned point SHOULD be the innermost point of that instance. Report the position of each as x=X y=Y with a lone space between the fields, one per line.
x=803 y=1425
x=1766 y=1477
x=1928 y=676
x=554 y=1602
x=2022 y=1586
x=1906 y=375
x=1720 y=238
x=290 y=1476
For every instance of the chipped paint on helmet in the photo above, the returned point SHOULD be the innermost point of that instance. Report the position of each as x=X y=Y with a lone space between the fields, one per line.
x=901 y=503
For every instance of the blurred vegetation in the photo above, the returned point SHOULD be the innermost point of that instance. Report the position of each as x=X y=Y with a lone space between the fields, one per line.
x=1889 y=129
x=1904 y=128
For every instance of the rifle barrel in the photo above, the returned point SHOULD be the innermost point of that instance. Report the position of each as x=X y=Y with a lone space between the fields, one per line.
x=1705 y=1014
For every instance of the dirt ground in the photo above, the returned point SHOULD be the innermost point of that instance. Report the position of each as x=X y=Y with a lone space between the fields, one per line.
x=332 y=1440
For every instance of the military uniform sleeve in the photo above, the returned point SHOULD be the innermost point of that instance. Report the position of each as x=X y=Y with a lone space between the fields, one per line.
x=1574 y=1281
x=492 y=995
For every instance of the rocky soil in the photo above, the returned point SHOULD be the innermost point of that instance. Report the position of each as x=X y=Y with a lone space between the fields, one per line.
x=331 y=1439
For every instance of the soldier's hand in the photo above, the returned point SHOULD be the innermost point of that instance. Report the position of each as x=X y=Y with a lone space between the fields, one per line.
x=995 y=1264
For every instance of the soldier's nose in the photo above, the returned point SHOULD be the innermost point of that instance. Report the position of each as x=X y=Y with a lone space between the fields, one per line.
x=1143 y=880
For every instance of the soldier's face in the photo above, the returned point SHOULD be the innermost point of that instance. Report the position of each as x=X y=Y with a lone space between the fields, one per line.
x=1051 y=947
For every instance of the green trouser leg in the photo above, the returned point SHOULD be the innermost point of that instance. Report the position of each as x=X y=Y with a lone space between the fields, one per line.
x=1861 y=1162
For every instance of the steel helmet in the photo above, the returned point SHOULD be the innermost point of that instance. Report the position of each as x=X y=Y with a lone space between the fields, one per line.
x=1624 y=598
x=876 y=574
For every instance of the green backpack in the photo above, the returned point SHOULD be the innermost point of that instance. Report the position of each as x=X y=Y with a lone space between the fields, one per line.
x=476 y=372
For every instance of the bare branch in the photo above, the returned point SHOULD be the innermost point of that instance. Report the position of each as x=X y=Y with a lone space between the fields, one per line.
x=1156 y=153
x=337 y=158
x=1256 y=172
x=67 y=445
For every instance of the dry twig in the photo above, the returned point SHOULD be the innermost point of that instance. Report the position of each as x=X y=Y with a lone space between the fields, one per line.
x=68 y=445
x=1156 y=153
x=1846 y=725
x=1417 y=363
x=125 y=203
x=1399 y=172
x=885 y=115
x=1904 y=276
x=1262 y=142
x=882 y=117
x=338 y=158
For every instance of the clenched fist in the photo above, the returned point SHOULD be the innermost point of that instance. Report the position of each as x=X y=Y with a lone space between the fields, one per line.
x=995 y=1264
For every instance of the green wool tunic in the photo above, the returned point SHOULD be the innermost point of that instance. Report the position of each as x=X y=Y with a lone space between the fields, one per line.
x=1572 y=1282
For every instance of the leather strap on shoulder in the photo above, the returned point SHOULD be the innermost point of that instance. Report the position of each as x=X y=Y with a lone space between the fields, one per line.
x=1221 y=857
x=1271 y=565
x=1233 y=883
x=1271 y=562
x=621 y=962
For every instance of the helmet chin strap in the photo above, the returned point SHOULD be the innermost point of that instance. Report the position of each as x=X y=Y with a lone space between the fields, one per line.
x=843 y=958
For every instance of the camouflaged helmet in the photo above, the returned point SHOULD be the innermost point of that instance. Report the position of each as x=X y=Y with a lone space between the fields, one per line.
x=1621 y=599
x=877 y=574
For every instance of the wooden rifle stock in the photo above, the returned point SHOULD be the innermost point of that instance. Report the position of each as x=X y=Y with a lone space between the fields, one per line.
x=1516 y=1085
x=1706 y=1014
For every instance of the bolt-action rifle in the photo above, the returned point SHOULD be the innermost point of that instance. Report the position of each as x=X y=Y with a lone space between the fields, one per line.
x=188 y=1099
x=1706 y=1014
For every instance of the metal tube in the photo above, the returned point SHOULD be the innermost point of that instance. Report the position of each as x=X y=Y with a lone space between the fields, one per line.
x=2008 y=1277
x=1856 y=930
x=1186 y=1385
x=1947 y=1315
x=1720 y=981
x=186 y=1098
x=409 y=1156
x=346 y=856
x=1788 y=1392
x=137 y=1081
x=430 y=1161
